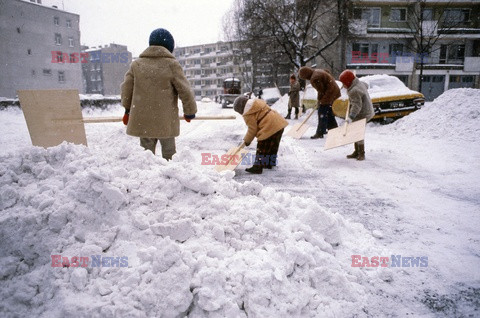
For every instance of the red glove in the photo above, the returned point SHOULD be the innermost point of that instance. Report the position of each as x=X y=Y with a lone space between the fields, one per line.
x=125 y=118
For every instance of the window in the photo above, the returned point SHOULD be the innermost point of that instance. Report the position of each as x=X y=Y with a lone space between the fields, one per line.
x=395 y=49
x=364 y=53
x=69 y=23
x=47 y=72
x=19 y=30
x=61 y=77
x=29 y=51
x=398 y=14
x=452 y=17
x=70 y=42
x=34 y=73
x=372 y=15
x=58 y=39
x=56 y=21
x=427 y=14
x=92 y=77
x=452 y=54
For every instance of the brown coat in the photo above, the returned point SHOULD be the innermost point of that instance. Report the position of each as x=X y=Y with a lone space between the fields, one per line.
x=150 y=91
x=262 y=121
x=294 y=94
x=323 y=82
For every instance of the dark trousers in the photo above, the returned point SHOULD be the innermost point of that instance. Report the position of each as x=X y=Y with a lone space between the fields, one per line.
x=267 y=150
x=326 y=119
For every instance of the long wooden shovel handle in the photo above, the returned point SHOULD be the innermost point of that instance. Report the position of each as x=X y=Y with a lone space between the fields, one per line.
x=306 y=119
x=94 y=120
x=346 y=117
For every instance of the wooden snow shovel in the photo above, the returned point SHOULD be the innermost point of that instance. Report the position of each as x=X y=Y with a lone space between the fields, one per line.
x=346 y=134
x=299 y=129
x=96 y=120
x=235 y=157
x=55 y=116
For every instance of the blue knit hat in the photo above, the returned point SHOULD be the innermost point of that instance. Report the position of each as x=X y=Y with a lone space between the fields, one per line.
x=161 y=37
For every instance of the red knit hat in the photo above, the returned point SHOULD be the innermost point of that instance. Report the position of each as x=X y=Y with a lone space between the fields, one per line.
x=347 y=78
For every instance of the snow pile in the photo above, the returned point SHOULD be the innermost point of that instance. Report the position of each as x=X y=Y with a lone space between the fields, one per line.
x=197 y=242
x=385 y=85
x=454 y=115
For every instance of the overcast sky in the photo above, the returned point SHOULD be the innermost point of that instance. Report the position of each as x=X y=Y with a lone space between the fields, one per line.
x=129 y=22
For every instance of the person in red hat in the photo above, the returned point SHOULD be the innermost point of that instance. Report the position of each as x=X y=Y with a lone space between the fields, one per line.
x=360 y=107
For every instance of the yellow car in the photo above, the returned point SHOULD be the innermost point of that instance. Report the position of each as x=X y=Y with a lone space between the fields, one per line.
x=390 y=97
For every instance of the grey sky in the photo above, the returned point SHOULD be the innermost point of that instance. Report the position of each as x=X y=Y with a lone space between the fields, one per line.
x=130 y=22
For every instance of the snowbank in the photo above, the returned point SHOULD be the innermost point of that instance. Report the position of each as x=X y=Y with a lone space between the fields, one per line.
x=197 y=242
x=454 y=115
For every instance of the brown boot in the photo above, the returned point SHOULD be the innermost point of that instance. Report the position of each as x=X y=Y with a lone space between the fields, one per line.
x=361 y=152
x=354 y=154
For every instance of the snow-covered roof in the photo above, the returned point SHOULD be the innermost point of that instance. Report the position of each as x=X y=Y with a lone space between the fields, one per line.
x=232 y=79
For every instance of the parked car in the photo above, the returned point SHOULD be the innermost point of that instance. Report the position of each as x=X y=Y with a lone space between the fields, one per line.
x=390 y=97
x=271 y=95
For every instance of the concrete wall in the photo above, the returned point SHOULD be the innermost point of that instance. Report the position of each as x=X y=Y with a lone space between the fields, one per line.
x=27 y=38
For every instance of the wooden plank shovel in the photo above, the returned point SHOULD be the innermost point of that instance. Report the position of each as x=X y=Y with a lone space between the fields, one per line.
x=234 y=158
x=96 y=120
x=299 y=129
x=55 y=116
x=346 y=134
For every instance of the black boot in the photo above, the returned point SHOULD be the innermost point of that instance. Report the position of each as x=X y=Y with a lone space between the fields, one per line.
x=354 y=154
x=361 y=152
x=288 y=115
x=316 y=136
x=255 y=169
x=296 y=113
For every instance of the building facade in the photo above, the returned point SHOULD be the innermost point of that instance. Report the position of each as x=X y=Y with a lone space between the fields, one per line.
x=105 y=70
x=206 y=66
x=38 y=45
x=431 y=46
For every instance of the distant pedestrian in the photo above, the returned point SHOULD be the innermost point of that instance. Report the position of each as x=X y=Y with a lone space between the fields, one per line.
x=328 y=91
x=294 y=97
x=360 y=107
x=150 y=93
x=260 y=93
x=265 y=124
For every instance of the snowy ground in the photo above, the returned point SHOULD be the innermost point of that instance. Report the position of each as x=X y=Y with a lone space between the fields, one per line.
x=278 y=244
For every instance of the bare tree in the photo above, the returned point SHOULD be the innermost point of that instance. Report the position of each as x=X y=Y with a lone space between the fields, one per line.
x=286 y=27
x=428 y=31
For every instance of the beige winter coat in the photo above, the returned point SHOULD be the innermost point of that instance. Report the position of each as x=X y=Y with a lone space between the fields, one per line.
x=150 y=91
x=360 y=102
x=262 y=121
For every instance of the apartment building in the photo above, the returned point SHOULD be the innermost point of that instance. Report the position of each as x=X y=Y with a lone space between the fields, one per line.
x=435 y=42
x=206 y=66
x=105 y=68
x=38 y=45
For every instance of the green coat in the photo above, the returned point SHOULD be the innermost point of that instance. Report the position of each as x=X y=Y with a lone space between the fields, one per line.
x=150 y=91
